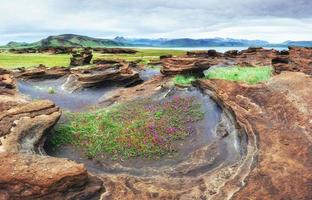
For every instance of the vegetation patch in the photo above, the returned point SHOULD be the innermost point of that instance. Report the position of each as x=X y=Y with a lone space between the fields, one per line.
x=141 y=128
x=10 y=60
x=184 y=79
x=250 y=75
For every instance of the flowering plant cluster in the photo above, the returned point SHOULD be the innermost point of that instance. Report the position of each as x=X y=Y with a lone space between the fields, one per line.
x=143 y=128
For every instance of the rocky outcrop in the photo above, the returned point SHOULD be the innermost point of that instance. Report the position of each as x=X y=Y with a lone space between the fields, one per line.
x=82 y=58
x=41 y=72
x=297 y=59
x=28 y=177
x=185 y=65
x=56 y=50
x=204 y=54
x=24 y=126
x=198 y=61
x=115 y=50
x=100 y=75
x=23 y=50
x=277 y=116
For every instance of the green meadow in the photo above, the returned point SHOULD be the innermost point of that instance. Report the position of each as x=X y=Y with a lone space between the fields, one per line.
x=9 y=60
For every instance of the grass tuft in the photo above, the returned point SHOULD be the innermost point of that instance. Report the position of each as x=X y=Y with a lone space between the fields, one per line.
x=250 y=75
x=141 y=128
x=184 y=79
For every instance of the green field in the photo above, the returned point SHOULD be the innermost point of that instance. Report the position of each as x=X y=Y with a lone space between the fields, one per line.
x=9 y=60
x=250 y=75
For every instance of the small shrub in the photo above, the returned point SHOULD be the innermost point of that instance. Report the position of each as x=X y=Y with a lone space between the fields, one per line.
x=184 y=79
x=51 y=90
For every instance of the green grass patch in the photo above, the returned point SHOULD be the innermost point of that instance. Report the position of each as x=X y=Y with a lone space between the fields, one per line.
x=10 y=60
x=184 y=79
x=141 y=128
x=250 y=75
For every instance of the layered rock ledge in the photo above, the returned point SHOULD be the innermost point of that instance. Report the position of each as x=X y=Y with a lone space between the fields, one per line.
x=277 y=115
x=26 y=173
x=294 y=59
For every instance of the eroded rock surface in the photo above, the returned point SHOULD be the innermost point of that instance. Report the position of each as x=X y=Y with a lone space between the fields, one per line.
x=277 y=115
x=297 y=59
x=101 y=74
x=25 y=174
x=81 y=58
x=42 y=72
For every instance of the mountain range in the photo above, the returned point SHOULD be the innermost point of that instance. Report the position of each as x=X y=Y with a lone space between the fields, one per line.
x=71 y=40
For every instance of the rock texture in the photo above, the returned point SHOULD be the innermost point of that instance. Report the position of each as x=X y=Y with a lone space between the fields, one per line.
x=25 y=174
x=42 y=72
x=297 y=59
x=185 y=65
x=82 y=58
x=102 y=74
x=278 y=116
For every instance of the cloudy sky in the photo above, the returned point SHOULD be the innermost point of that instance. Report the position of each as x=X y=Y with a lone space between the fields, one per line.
x=272 y=20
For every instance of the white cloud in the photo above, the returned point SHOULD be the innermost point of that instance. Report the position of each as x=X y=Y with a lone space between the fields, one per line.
x=273 y=20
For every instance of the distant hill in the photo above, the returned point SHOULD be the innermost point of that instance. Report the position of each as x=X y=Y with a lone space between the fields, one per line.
x=71 y=40
x=188 y=42
x=298 y=43
x=67 y=40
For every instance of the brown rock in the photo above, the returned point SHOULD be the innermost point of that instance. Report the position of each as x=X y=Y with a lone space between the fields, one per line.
x=277 y=115
x=115 y=50
x=119 y=73
x=25 y=176
x=42 y=72
x=185 y=65
x=82 y=58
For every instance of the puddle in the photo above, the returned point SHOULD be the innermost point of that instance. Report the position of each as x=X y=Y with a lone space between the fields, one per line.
x=203 y=150
x=148 y=73
x=52 y=90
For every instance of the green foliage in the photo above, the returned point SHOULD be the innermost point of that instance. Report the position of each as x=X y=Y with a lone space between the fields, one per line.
x=142 y=128
x=250 y=75
x=184 y=79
